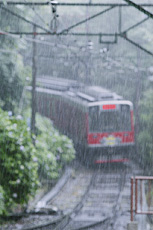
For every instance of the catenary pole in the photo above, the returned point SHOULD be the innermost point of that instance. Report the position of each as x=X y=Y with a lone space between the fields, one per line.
x=33 y=102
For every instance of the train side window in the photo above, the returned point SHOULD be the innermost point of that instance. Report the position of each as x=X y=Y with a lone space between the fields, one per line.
x=93 y=118
x=125 y=108
x=126 y=117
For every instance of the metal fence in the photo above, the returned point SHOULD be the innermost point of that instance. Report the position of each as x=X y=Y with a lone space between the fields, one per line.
x=141 y=195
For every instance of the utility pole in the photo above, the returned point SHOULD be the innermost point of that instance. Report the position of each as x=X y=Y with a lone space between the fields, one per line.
x=34 y=69
x=138 y=96
x=120 y=20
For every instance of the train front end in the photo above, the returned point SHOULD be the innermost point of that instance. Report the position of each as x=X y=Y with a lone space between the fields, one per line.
x=110 y=131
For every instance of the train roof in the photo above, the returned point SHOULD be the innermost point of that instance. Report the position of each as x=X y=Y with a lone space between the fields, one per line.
x=76 y=91
x=99 y=93
x=60 y=84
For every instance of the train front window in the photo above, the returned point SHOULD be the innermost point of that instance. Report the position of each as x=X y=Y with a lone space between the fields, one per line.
x=110 y=120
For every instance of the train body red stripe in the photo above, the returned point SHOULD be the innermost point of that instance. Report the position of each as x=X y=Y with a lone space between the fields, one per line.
x=111 y=161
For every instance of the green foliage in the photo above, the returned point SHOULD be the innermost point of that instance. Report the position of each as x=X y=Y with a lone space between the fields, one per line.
x=145 y=137
x=20 y=161
x=2 y=205
x=53 y=150
x=12 y=84
x=12 y=70
x=18 y=174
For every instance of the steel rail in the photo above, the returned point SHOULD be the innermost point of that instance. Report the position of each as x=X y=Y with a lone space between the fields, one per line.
x=63 y=221
x=66 y=220
x=96 y=224
x=45 y=225
x=64 y=224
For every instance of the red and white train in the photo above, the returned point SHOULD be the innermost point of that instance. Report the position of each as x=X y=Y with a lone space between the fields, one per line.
x=99 y=122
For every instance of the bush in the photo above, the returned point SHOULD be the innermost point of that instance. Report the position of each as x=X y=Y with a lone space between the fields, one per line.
x=54 y=150
x=20 y=161
x=2 y=205
x=18 y=174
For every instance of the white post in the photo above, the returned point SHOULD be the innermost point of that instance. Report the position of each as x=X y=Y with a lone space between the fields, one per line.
x=132 y=225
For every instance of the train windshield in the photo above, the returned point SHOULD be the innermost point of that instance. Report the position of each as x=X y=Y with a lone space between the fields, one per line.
x=110 y=120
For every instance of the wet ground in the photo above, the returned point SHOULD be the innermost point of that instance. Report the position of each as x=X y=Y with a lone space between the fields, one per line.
x=97 y=197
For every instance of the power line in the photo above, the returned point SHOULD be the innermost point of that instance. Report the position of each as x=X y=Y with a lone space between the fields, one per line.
x=122 y=35
x=24 y=19
x=83 y=21
x=101 y=4
x=63 y=32
x=25 y=38
x=43 y=21
x=70 y=4
x=137 y=24
x=136 y=44
x=15 y=36
x=48 y=32
x=37 y=14
x=140 y=8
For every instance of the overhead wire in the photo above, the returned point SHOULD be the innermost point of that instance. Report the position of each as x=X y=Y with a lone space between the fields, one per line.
x=39 y=3
x=36 y=40
x=33 y=39
x=37 y=14
x=30 y=22
x=24 y=19
x=38 y=26
x=85 y=20
x=42 y=20
x=40 y=41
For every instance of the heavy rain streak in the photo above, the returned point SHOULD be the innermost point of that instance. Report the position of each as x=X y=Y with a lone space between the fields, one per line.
x=76 y=114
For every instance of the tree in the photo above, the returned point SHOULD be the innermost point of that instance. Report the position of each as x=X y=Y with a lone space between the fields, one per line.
x=145 y=137
x=12 y=70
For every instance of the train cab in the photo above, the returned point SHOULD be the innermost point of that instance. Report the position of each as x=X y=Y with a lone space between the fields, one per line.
x=99 y=121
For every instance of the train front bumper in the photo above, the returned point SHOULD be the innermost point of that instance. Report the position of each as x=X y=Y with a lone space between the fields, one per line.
x=99 y=154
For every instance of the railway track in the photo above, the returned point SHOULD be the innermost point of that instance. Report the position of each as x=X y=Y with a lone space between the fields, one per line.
x=107 y=201
x=92 y=198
